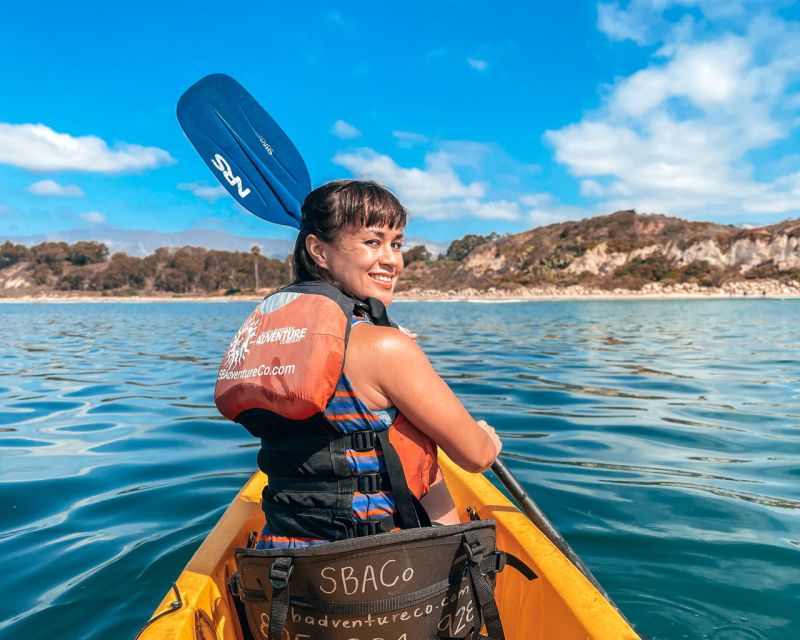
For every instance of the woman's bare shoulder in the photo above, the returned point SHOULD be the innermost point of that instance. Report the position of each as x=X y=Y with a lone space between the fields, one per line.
x=384 y=342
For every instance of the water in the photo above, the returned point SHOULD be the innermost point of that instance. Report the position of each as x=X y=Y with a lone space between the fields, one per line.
x=661 y=437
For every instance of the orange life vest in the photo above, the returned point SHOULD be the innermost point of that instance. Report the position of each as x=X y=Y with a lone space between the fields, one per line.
x=336 y=469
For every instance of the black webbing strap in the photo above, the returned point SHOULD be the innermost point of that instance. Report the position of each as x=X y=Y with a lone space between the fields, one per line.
x=499 y=560
x=279 y=574
x=481 y=588
x=408 y=514
x=519 y=565
x=234 y=588
x=377 y=312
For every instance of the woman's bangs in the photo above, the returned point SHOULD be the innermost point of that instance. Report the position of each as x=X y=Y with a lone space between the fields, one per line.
x=381 y=209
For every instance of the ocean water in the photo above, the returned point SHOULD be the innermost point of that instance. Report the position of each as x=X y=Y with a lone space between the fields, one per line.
x=662 y=438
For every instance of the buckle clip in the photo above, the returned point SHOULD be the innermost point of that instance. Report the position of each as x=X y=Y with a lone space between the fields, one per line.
x=500 y=561
x=363 y=440
x=367 y=528
x=370 y=482
x=280 y=572
x=234 y=585
x=474 y=550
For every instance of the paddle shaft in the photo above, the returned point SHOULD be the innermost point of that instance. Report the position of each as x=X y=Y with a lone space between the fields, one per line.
x=537 y=516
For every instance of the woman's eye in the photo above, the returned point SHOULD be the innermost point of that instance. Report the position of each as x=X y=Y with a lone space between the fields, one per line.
x=373 y=243
x=397 y=246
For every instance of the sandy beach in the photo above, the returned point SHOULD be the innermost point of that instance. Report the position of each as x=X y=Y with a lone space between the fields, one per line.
x=735 y=290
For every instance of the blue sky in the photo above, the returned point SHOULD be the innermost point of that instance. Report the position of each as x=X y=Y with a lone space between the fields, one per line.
x=481 y=116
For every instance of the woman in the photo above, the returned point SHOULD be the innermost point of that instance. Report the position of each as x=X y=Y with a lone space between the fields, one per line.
x=351 y=234
x=351 y=237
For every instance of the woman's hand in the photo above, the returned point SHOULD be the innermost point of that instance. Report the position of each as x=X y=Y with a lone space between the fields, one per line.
x=498 y=445
x=408 y=332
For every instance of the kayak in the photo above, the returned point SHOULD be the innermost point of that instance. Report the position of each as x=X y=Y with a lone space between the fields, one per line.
x=560 y=604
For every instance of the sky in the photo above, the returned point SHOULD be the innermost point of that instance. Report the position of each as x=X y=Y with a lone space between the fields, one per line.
x=481 y=116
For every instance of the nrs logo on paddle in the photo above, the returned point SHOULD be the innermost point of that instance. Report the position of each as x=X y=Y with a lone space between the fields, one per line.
x=222 y=165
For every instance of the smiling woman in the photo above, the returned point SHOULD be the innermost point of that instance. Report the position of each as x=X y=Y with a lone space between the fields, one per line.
x=350 y=413
x=351 y=235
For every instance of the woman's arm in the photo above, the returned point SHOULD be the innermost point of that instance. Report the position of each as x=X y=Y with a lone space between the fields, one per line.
x=387 y=367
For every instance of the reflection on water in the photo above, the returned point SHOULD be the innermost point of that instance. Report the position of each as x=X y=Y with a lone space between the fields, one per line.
x=661 y=437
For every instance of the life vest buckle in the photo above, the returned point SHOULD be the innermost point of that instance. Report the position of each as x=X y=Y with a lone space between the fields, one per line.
x=280 y=572
x=363 y=440
x=370 y=482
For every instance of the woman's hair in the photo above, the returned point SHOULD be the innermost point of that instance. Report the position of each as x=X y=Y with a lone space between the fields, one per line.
x=329 y=209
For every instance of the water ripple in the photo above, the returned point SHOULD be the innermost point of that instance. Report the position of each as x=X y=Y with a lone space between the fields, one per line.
x=661 y=437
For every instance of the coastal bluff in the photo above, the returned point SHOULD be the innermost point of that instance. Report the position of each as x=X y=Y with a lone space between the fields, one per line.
x=623 y=253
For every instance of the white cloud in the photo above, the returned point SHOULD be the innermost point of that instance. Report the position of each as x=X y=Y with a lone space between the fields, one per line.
x=94 y=217
x=210 y=193
x=408 y=139
x=543 y=209
x=39 y=148
x=435 y=192
x=678 y=135
x=619 y=24
x=53 y=188
x=344 y=130
x=477 y=63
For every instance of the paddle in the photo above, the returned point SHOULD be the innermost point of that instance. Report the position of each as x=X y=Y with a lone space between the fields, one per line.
x=537 y=516
x=260 y=167
x=245 y=149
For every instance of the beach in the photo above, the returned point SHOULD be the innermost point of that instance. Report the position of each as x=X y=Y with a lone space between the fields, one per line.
x=653 y=291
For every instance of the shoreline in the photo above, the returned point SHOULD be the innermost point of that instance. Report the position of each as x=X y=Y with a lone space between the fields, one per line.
x=571 y=294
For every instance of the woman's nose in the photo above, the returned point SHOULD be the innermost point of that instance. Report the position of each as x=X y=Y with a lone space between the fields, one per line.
x=389 y=256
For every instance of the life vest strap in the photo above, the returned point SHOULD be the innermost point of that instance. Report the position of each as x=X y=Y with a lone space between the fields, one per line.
x=410 y=513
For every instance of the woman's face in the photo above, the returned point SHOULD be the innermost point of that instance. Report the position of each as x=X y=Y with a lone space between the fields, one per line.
x=366 y=261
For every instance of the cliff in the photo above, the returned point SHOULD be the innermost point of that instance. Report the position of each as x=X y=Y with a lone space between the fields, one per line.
x=620 y=250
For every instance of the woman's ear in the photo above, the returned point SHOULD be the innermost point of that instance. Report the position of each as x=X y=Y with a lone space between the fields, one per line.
x=316 y=249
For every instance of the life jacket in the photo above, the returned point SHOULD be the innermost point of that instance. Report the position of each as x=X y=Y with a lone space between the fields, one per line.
x=335 y=469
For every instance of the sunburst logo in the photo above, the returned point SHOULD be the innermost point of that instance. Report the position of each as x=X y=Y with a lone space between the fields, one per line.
x=240 y=346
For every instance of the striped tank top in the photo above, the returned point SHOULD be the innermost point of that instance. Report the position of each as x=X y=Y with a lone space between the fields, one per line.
x=347 y=411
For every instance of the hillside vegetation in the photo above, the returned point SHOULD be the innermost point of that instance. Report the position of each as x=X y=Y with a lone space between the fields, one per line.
x=623 y=250
x=87 y=267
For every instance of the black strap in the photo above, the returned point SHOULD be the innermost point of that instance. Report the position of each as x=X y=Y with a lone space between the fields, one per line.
x=408 y=515
x=519 y=565
x=377 y=312
x=481 y=587
x=279 y=574
x=234 y=588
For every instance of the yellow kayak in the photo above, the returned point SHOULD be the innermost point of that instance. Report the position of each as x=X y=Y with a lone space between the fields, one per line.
x=561 y=604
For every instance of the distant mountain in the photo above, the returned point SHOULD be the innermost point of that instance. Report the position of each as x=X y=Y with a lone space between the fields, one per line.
x=140 y=242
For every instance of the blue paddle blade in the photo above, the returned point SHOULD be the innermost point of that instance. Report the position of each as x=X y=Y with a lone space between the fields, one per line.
x=245 y=149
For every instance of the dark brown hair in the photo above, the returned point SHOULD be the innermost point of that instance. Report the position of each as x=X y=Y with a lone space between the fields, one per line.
x=329 y=209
